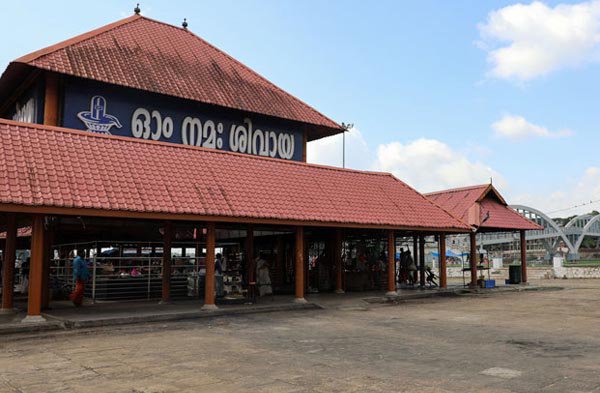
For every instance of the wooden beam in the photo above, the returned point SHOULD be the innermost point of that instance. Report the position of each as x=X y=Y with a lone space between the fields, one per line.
x=473 y=259
x=8 y=264
x=443 y=270
x=51 y=100
x=36 y=268
x=68 y=211
x=391 y=290
x=209 y=284
x=300 y=263
x=523 y=257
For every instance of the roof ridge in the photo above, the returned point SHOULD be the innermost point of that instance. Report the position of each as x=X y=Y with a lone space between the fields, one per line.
x=182 y=146
x=255 y=73
x=75 y=40
x=457 y=189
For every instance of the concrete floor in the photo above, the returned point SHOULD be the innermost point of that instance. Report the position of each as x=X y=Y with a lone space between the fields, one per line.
x=524 y=342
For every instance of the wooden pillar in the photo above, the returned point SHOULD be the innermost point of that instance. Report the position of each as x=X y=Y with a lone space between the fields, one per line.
x=51 y=100
x=391 y=290
x=209 y=283
x=304 y=143
x=46 y=271
x=443 y=271
x=36 y=269
x=8 y=264
x=415 y=257
x=337 y=258
x=473 y=259
x=166 y=262
x=523 y=257
x=422 y=261
x=300 y=263
x=250 y=254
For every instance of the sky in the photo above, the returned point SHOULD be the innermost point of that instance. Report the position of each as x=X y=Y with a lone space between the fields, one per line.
x=441 y=93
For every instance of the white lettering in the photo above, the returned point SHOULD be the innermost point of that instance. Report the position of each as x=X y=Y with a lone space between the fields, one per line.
x=242 y=137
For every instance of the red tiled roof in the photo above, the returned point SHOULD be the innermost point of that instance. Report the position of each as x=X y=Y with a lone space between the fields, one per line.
x=57 y=167
x=494 y=212
x=145 y=54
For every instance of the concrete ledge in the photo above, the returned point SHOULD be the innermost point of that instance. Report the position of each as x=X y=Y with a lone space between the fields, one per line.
x=32 y=327
x=180 y=316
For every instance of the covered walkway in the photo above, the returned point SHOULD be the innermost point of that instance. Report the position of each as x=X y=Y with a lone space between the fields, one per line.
x=130 y=190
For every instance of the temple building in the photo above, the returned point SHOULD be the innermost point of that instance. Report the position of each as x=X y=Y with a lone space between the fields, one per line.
x=174 y=170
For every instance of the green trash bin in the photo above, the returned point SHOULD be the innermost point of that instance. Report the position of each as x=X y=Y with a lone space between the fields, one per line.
x=514 y=274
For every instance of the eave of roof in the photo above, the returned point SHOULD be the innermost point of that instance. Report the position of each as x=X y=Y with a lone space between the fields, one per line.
x=113 y=175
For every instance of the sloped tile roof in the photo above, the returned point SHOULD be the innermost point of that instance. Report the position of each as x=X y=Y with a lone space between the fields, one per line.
x=57 y=167
x=145 y=54
x=494 y=213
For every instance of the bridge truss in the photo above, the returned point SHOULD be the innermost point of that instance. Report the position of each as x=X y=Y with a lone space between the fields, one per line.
x=553 y=236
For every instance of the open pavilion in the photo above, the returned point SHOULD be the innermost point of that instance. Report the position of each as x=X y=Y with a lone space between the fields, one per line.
x=142 y=133
x=486 y=211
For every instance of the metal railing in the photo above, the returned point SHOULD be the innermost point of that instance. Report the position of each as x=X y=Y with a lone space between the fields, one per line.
x=133 y=278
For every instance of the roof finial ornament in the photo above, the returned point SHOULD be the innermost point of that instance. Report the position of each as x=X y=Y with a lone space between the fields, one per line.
x=137 y=9
x=184 y=24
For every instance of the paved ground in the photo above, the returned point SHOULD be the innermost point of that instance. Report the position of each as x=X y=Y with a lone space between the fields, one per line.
x=524 y=342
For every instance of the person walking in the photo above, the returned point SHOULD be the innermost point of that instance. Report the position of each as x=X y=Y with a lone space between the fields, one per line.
x=80 y=275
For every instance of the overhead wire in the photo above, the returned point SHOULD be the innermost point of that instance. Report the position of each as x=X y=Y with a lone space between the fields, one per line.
x=574 y=206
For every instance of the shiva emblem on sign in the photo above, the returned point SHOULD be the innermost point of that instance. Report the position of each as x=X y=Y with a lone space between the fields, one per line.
x=96 y=120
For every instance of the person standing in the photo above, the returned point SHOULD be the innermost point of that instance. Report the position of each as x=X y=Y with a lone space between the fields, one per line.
x=264 y=278
x=412 y=269
x=219 y=287
x=80 y=275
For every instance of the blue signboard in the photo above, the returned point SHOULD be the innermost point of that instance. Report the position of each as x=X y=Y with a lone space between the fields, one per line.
x=114 y=110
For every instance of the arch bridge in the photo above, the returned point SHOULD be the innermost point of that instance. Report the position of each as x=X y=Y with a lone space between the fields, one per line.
x=553 y=235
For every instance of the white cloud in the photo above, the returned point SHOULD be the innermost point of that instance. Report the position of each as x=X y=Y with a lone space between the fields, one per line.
x=525 y=41
x=329 y=151
x=570 y=198
x=425 y=164
x=517 y=127
x=430 y=165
